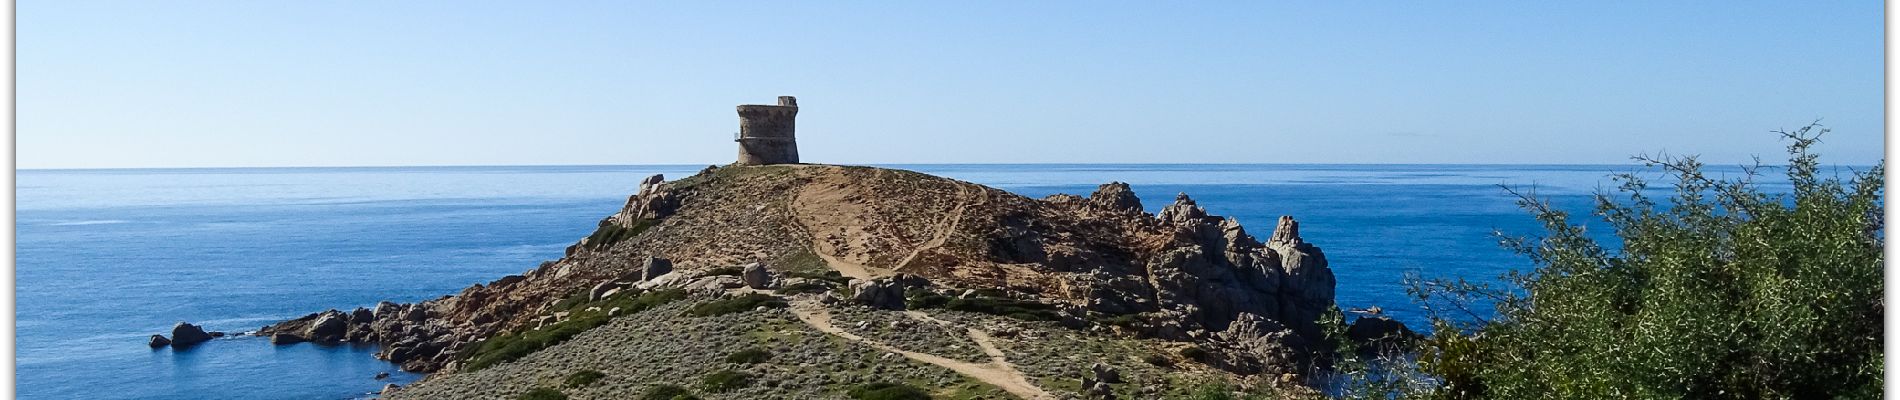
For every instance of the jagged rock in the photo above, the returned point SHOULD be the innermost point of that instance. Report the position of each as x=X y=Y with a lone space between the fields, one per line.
x=1116 y=196
x=389 y=389
x=361 y=316
x=185 y=335
x=756 y=276
x=159 y=341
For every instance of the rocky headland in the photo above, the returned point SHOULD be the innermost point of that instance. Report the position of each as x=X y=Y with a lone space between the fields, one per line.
x=833 y=280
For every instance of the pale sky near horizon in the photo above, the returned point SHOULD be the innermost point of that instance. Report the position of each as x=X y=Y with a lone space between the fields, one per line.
x=348 y=83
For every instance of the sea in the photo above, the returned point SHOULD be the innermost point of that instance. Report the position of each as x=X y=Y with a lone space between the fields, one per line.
x=108 y=257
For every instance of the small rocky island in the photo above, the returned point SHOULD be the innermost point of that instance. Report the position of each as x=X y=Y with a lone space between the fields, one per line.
x=768 y=278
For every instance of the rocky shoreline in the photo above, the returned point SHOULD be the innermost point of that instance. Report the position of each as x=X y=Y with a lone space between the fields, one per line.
x=897 y=241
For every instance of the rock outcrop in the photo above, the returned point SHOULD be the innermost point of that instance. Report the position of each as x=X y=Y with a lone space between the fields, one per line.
x=1182 y=274
x=186 y=335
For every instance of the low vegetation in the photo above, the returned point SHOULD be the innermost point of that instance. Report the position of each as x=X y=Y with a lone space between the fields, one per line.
x=1724 y=289
x=512 y=346
x=583 y=378
x=607 y=235
x=668 y=392
x=749 y=356
x=804 y=288
x=742 y=303
x=888 y=391
x=981 y=303
x=725 y=381
x=542 y=394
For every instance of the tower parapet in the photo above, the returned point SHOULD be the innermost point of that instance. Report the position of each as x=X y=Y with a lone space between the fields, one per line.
x=767 y=133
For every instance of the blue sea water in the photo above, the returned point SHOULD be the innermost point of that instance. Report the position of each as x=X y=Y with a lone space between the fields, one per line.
x=109 y=257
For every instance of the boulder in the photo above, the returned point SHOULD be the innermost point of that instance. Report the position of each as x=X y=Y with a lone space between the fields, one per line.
x=654 y=267
x=330 y=326
x=389 y=389
x=361 y=316
x=159 y=341
x=756 y=276
x=286 y=338
x=881 y=293
x=605 y=289
x=185 y=334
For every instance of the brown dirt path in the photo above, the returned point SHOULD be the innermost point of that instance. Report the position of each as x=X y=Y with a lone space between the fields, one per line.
x=997 y=372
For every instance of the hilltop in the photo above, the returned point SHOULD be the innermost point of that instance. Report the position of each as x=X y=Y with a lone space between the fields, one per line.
x=848 y=275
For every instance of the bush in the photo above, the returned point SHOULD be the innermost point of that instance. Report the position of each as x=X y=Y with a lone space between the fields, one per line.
x=609 y=234
x=1158 y=360
x=1721 y=290
x=583 y=378
x=726 y=271
x=1018 y=309
x=512 y=346
x=888 y=391
x=805 y=288
x=668 y=392
x=725 y=381
x=749 y=356
x=742 y=303
x=1195 y=353
x=542 y=394
x=828 y=276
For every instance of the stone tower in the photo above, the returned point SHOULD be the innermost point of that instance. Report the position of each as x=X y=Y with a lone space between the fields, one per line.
x=766 y=133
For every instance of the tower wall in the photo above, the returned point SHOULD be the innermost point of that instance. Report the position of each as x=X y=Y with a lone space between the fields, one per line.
x=767 y=134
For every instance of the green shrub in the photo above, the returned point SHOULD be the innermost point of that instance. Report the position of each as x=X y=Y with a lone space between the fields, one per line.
x=609 y=234
x=726 y=271
x=725 y=381
x=1722 y=290
x=509 y=347
x=742 y=303
x=888 y=391
x=749 y=356
x=1018 y=309
x=805 y=288
x=668 y=392
x=1195 y=353
x=583 y=378
x=1157 y=360
x=832 y=276
x=542 y=394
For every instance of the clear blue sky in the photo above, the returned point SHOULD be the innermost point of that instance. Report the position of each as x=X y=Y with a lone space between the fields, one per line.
x=304 y=83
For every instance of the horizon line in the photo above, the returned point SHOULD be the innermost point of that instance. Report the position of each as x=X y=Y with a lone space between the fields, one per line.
x=18 y=169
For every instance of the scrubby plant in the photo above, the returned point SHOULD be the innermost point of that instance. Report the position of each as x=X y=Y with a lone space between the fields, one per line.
x=981 y=303
x=668 y=392
x=1195 y=353
x=1726 y=288
x=725 y=381
x=725 y=271
x=749 y=356
x=832 y=276
x=583 y=378
x=805 y=288
x=609 y=234
x=888 y=391
x=1158 y=360
x=742 y=303
x=511 y=346
x=542 y=394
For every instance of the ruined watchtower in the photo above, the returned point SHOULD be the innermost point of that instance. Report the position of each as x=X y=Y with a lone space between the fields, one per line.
x=766 y=133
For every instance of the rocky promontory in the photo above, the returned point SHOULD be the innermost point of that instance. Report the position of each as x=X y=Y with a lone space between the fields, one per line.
x=828 y=242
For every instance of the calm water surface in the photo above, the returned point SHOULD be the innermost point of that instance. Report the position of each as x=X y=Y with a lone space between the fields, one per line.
x=109 y=257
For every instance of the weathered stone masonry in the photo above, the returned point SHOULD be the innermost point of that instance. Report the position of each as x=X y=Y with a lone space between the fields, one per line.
x=766 y=133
